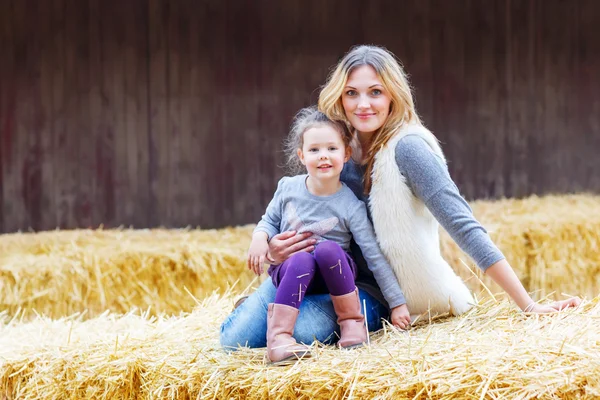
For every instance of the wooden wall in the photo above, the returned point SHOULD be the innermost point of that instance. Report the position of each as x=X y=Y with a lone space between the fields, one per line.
x=171 y=112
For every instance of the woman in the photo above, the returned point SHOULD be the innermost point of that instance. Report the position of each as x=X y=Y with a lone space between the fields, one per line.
x=398 y=169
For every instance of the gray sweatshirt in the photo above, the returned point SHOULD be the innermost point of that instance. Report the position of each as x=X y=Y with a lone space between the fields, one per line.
x=340 y=217
x=428 y=178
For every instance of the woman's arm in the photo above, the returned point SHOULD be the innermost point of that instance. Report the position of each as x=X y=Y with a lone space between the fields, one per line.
x=502 y=273
x=428 y=178
x=364 y=236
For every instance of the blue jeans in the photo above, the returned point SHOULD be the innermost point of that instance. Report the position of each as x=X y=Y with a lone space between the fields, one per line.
x=247 y=324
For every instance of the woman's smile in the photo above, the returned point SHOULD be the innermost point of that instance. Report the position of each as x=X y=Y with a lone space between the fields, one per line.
x=364 y=115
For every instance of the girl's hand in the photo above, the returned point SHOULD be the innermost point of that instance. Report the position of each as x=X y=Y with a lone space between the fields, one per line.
x=257 y=252
x=552 y=307
x=283 y=245
x=400 y=317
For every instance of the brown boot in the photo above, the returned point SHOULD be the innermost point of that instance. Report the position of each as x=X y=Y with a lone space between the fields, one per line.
x=353 y=332
x=281 y=345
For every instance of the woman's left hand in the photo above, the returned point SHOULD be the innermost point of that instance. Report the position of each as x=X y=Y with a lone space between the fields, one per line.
x=553 y=307
x=400 y=317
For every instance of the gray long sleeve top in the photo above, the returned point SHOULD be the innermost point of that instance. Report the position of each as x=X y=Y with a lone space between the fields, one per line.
x=428 y=177
x=340 y=217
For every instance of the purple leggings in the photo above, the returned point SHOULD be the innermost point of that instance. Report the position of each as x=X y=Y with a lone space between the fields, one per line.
x=328 y=269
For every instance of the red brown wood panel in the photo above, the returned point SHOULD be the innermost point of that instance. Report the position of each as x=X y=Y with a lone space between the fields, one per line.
x=150 y=112
x=519 y=86
x=137 y=106
x=587 y=86
x=159 y=97
x=20 y=182
x=101 y=101
x=552 y=69
x=81 y=138
x=452 y=86
x=6 y=101
x=126 y=139
x=46 y=161
x=66 y=141
x=486 y=118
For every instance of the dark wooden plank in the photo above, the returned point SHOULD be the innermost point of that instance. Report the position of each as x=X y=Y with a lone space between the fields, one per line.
x=36 y=123
x=550 y=97
x=47 y=23
x=7 y=102
x=486 y=111
x=32 y=117
x=108 y=140
x=80 y=134
x=65 y=140
x=17 y=216
x=159 y=104
x=451 y=69
x=197 y=94
x=135 y=69
x=178 y=200
x=121 y=162
x=246 y=80
x=587 y=82
x=100 y=105
x=520 y=78
x=200 y=111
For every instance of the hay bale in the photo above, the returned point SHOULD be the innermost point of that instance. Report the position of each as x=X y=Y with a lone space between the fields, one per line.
x=65 y=272
x=552 y=243
x=493 y=351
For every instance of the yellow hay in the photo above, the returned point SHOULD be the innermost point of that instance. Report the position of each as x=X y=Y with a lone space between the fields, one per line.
x=552 y=242
x=65 y=272
x=493 y=351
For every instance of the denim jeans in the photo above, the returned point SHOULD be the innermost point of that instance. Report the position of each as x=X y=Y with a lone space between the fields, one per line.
x=247 y=324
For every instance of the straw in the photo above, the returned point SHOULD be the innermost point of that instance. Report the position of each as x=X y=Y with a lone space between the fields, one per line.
x=493 y=352
x=59 y=273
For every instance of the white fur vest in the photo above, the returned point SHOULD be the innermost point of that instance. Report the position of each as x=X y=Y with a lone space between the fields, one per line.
x=408 y=235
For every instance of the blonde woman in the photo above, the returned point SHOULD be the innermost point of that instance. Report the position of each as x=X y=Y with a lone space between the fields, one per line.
x=399 y=170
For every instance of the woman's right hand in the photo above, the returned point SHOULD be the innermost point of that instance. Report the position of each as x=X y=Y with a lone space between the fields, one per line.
x=283 y=245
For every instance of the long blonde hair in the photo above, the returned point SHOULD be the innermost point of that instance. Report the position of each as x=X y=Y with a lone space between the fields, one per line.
x=394 y=79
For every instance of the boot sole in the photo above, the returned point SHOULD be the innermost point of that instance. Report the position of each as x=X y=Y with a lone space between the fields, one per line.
x=289 y=360
x=353 y=346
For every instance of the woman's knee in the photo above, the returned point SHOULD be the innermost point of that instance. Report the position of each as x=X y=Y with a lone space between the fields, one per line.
x=316 y=320
x=247 y=324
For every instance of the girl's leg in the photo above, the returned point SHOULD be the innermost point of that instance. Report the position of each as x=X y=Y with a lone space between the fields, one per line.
x=247 y=324
x=336 y=267
x=294 y=277
x=339 y=277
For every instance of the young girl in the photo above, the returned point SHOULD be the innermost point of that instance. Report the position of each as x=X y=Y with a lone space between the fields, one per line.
x=319 y=203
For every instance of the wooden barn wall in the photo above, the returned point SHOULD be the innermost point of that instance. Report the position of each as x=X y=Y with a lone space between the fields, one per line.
x=171 y=112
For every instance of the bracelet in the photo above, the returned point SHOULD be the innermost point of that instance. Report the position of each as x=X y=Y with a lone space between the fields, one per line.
x=529 y=307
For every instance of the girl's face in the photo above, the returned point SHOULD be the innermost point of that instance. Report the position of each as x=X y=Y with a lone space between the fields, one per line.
x=323 y=152
x=365 y=100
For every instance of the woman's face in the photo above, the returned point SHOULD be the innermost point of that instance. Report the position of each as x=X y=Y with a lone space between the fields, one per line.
x=365 y=100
